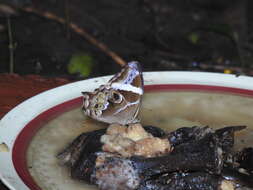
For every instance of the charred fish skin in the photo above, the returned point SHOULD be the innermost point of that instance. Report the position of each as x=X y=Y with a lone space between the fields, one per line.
x=70 y=155
x=182 y=181
x=72 y=152
x=245 y=159
x=240 y=170
x=84 y=168
x=203 y=155
x=188 y=134
x=85 y=143
x=145 y=168
x=85 y=165
x=81 y=155
x=199 y=181
x=201 y=151
x=227 y=135
x=155 y=131
x=197 y=155
x=241 y=180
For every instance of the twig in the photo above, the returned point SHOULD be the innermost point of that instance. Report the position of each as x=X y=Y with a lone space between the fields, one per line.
x=67 y=16
x=79 y=31
x=11 y=46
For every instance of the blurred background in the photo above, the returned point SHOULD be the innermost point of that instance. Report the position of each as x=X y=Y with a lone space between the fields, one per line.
x=63 y=38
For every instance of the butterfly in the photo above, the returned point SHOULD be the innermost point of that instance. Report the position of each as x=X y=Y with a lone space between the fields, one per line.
x=119 y=100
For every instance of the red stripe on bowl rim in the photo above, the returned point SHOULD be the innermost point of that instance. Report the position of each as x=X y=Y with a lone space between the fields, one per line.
x=24 y=137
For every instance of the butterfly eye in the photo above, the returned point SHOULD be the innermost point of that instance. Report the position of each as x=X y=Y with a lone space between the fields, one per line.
x=116 y=97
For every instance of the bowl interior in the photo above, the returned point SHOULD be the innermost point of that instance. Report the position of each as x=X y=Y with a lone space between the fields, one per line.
x=168 y=108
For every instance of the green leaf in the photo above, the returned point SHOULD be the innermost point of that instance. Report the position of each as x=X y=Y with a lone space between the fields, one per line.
x=80 y=63
x=193 y=38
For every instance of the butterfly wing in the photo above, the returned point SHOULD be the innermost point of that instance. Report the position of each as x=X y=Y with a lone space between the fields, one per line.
x=119 y=100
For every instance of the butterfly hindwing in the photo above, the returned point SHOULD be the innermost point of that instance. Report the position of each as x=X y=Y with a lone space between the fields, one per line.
x=119 y=100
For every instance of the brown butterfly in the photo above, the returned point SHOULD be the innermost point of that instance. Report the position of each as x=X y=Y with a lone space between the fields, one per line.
x=119 y=100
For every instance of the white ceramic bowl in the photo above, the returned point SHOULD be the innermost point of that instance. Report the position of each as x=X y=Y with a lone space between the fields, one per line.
x=17 y=126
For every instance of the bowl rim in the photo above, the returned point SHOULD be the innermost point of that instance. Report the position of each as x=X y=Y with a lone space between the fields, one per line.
x=14 y=121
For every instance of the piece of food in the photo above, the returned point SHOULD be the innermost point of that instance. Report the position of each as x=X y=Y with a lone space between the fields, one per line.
x=202 y=155
x=183 y=181
x=81 y=154
x=241 y=180
x=83 y=145
x=129 y=158
x=133 y=140
x=187 y=134
x=244 y=159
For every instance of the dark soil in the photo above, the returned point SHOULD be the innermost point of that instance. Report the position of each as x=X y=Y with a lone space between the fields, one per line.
x=209 y=35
